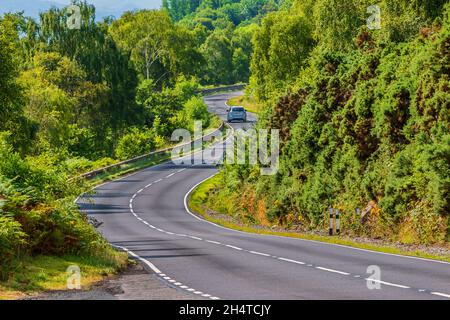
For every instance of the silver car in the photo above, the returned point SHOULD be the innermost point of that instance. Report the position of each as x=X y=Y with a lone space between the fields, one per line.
x=237 y=113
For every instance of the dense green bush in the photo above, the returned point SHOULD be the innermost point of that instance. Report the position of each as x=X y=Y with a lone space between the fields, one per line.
x=12 y=239
x=195 y=109
x=37 y=213
x=364 y=125
x=135 y=143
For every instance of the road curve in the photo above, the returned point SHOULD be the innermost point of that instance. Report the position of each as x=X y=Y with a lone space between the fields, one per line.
x=145 y=214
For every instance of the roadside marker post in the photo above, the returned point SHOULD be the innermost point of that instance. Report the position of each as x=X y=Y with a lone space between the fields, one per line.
x=336 y=214
x=338 y=222
x=330 y=230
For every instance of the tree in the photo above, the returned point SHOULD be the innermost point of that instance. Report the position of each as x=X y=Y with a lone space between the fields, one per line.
x=159 y=49
x=97 y=53
x=242 y=52
x=11 y=95
x=281 y=48
x=61 y=100
x=218 y=53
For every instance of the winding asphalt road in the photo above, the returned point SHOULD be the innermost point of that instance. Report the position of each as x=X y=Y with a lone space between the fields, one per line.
x=145 y=214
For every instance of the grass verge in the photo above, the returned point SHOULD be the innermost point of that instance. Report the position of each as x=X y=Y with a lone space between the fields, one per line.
x=32 y=275
x=199 y=195
x=125 y=169
x=248 y=103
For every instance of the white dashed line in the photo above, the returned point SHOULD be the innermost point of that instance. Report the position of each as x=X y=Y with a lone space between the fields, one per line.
x=290 y=260
x=195 y=238
x=334 y=271
x=441 y=294
x=233 y=247
x=388 y=283
x=260 y=253
x=170 y=175
x=213 y=242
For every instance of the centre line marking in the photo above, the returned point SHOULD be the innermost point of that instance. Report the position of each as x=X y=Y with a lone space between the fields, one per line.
x=441 y=294
x=260 y=253
x=389 y=283
x=214 y=242
x=334 y=271
x=293 y=261
x=233 y=247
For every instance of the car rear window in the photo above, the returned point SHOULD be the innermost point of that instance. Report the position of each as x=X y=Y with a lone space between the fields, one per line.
x=239 y=109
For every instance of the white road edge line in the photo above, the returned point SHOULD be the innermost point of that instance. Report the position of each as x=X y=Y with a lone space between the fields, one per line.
x=158 y=272
x=148 y=263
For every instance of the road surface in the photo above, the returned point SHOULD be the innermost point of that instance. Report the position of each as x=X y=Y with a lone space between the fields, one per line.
x=145 y=213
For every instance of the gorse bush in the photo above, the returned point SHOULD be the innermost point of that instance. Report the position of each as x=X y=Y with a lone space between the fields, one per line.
x=365 y=125
x=195 y=109
x=135 y=143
